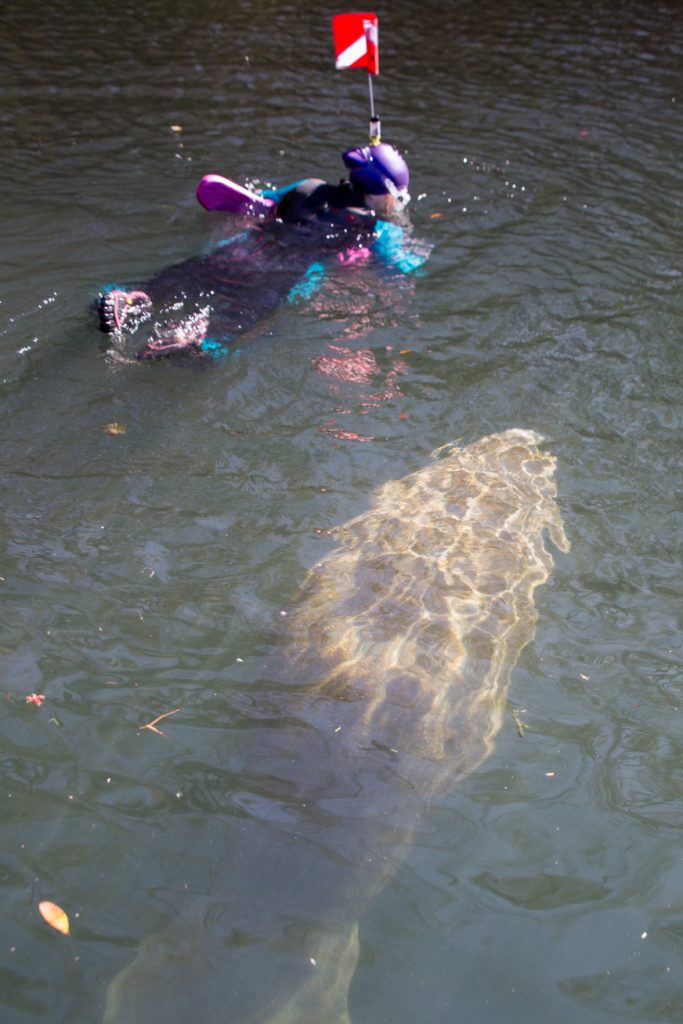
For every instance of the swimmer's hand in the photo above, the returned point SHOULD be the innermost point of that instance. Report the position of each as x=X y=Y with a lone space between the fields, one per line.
x=176 y=337
x=160 y=348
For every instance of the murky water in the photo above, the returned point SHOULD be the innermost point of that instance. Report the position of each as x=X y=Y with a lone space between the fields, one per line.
x=146 y=571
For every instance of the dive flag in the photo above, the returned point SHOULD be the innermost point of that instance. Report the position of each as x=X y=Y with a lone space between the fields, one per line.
x=356 y=43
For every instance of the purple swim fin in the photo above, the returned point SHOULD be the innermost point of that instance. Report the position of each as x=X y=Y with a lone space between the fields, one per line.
x=215 y=192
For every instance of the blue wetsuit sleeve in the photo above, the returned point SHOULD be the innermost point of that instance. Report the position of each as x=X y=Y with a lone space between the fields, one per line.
x=389 y=243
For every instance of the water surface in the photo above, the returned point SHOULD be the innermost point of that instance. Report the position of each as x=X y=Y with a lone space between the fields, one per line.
x=146 y=571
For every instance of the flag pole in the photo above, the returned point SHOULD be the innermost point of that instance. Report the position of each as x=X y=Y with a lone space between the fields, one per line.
x=372 y=46
x=375 y=124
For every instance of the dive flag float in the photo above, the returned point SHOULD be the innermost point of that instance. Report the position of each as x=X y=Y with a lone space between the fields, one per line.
x=356 y=42
x=356 y=45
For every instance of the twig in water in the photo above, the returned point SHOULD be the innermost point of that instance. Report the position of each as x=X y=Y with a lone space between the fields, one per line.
x=152 y=725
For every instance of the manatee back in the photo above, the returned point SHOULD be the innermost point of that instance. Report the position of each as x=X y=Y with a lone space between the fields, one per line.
x=414 y=621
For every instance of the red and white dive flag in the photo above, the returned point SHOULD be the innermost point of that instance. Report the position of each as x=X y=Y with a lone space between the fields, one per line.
x=356 y=43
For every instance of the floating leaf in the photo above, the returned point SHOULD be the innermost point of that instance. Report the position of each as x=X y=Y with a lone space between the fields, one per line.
x=115 y=428
x=55 y=916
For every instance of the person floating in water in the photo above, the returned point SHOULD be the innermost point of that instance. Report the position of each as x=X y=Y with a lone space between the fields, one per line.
x=204 y=304
x=377 y=188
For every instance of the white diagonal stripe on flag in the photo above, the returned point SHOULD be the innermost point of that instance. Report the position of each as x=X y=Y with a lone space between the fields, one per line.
x=352 y=53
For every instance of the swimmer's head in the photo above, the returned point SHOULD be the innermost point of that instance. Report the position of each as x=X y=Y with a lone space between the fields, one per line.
x=382 y=175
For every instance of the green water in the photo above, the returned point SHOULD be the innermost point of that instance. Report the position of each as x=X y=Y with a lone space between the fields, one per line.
x=147 y=571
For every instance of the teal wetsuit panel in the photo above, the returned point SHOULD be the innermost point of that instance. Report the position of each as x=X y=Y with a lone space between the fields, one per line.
x=276 y=194
x=309 y=284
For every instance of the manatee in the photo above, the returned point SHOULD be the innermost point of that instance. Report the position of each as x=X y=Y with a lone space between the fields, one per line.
x=389 y=689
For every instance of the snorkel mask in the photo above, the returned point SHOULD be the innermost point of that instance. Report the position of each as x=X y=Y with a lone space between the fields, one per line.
x=378 y=170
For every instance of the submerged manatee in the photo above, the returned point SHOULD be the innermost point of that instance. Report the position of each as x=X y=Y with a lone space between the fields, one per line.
x=391 y=688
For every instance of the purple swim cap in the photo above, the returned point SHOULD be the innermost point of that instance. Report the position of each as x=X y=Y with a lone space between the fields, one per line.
x=376 y=170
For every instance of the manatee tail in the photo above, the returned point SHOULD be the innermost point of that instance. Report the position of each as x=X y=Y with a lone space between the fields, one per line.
x=194 y=970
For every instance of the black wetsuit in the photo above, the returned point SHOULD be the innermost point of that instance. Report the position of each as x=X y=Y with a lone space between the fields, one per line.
x=214 y=298
x=316 y=201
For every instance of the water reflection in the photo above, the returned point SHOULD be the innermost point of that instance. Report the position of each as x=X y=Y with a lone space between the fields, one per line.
x=363 y=378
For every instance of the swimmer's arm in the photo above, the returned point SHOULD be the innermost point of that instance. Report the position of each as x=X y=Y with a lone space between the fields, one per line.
x=161 y=348
x=390 y=244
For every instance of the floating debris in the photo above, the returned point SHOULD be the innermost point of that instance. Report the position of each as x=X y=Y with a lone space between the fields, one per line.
x=152 y=725
x=55 y=916
x=520 y=726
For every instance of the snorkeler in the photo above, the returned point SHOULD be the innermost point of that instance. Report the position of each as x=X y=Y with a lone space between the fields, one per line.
x=206 y=302
x=377 y=188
